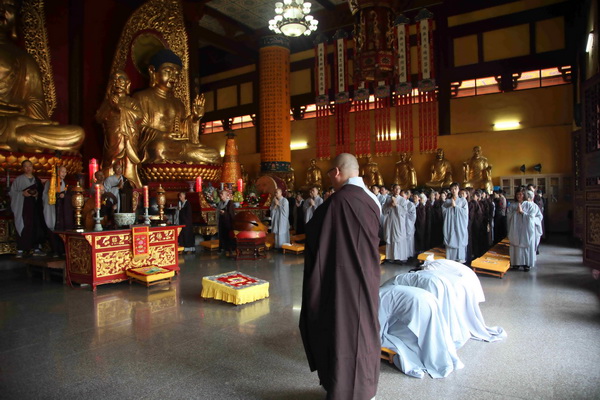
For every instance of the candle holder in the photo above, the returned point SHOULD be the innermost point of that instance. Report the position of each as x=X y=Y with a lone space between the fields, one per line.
x=146 y=216
x=98 y=219
x=161 y=200
x=77 y=201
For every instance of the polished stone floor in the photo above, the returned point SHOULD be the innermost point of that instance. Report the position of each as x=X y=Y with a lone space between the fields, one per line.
x=133 y=342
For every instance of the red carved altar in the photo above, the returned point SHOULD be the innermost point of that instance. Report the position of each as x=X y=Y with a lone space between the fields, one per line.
x=97 y=258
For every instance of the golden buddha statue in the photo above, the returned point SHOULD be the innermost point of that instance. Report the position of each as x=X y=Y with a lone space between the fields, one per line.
x=120 y=116
x=441 y=171
x=167 y=134
x=25 y=123
x=313 y=175
x=370 y=173
x=478 y=172
x=406 y=175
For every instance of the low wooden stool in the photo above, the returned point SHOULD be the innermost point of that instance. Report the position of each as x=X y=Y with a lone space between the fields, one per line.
x=387 y=354
x=493 y=266
x=438 y=253
x=295 y=248
x=210 y=245
x=150 y=275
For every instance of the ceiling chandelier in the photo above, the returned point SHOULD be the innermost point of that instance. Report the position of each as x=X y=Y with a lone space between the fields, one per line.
x=292 y=18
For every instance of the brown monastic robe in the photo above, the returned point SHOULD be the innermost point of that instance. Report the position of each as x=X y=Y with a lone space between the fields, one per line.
x=340 y=296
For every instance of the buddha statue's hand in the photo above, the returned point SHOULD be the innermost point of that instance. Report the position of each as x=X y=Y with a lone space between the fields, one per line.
x=177 y=136
x=198 y=107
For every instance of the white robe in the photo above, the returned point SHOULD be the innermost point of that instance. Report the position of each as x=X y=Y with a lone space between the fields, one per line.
x=443 y=290
x=413 y=326
x=469 y=294
x=50 y=209
x=456 y=228
x=310 y=210
x=395 y=229
x=524 y=232
x=411 y=218
x=280 y=222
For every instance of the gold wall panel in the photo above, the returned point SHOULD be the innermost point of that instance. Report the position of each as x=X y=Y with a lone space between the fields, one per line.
x=246 y=93
x=209 y=104
x=550 y=35
x=300 y=82
x=506 y=43
x=227 y=97
x=465 y=50
x=498 y=11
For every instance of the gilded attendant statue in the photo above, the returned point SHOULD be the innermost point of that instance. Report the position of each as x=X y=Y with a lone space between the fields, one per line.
x=25 y=123
x=168 y=134
x=406 y=175
x=120 y=116
x=441 y=171
x=478 y=172
x=313 y=175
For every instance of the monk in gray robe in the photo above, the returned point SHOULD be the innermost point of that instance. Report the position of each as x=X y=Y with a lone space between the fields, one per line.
x=280 y=222
x=395 y=223
x=311 y=204
x=524 y=230
x=456 y=225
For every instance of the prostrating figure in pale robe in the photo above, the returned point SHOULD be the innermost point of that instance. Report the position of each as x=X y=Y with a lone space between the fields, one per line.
x=280 y=221
x=394 y=226
x=456 y=225
x=311 y=204
x=524 y=230
x=340 y=293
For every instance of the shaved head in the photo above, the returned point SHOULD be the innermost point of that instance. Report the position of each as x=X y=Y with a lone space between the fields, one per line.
x=344 y=167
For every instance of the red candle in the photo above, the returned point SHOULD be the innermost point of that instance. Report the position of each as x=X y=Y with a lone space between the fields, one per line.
x=240 y=185
x=198 y=184
x=146 y=197
x=97 y=186
x=93 y=167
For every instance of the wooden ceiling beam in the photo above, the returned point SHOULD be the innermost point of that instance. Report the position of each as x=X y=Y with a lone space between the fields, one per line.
x=224 y=43
x=227 y=20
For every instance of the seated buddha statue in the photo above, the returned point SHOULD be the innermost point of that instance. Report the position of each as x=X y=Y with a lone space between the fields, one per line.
x=168 y=135
x=406 y=175
x=25 y=123
x=478 y=172
x=441 y=171
x=313 y=175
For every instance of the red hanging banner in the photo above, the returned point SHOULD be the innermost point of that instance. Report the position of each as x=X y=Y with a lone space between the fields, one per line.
x=403 y=91
x=342 y=95
x=428 y=116
x=383 y=144
x=362 y=122
x=322 y=99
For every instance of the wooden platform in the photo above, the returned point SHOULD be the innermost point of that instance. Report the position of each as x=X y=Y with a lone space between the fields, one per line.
x=48 y=266
x=295 y=248
x=493 y=266
x=439 y=253
x=210 y=245
x=388 y=355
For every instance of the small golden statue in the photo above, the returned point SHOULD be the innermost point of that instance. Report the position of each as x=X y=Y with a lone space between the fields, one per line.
x=120 y=116
x=25 y=123
x=371 y=174
x=313 y=175
x=405 y=176
x=441 y=172
x=168 y=135
x=478 y=172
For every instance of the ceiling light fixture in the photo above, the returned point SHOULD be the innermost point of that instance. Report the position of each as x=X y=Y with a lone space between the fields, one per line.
x=506 y=125
x=292 y=18
x=590 y=42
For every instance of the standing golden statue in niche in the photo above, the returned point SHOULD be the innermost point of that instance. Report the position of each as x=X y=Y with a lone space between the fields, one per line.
x=405 y=176
x=167 y=134
x=120 y=116
x=441 y=172
x=478 y=172
x=25 y=123
x=314 y=175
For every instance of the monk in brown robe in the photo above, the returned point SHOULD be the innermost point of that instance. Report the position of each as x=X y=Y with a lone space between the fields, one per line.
x=340 y=296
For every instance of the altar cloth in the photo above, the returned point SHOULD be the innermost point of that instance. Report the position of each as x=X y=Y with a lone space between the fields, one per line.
x=234 y=287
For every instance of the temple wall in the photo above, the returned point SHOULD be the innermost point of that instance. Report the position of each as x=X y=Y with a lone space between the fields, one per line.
x=545 y=114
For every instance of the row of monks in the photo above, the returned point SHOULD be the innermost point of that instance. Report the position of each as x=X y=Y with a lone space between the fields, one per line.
x=477 y=172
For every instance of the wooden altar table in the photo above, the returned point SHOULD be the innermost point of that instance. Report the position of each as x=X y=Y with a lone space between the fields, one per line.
x=96 y=258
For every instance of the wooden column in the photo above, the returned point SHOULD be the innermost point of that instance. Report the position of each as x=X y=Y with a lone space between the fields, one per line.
x=274 y=104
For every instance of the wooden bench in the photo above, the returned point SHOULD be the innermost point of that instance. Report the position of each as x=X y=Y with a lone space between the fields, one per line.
x=490 y=265
x=439 y=253
x=210 y=245
x=47 y=265
x=388 y=355
x=295 y=248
